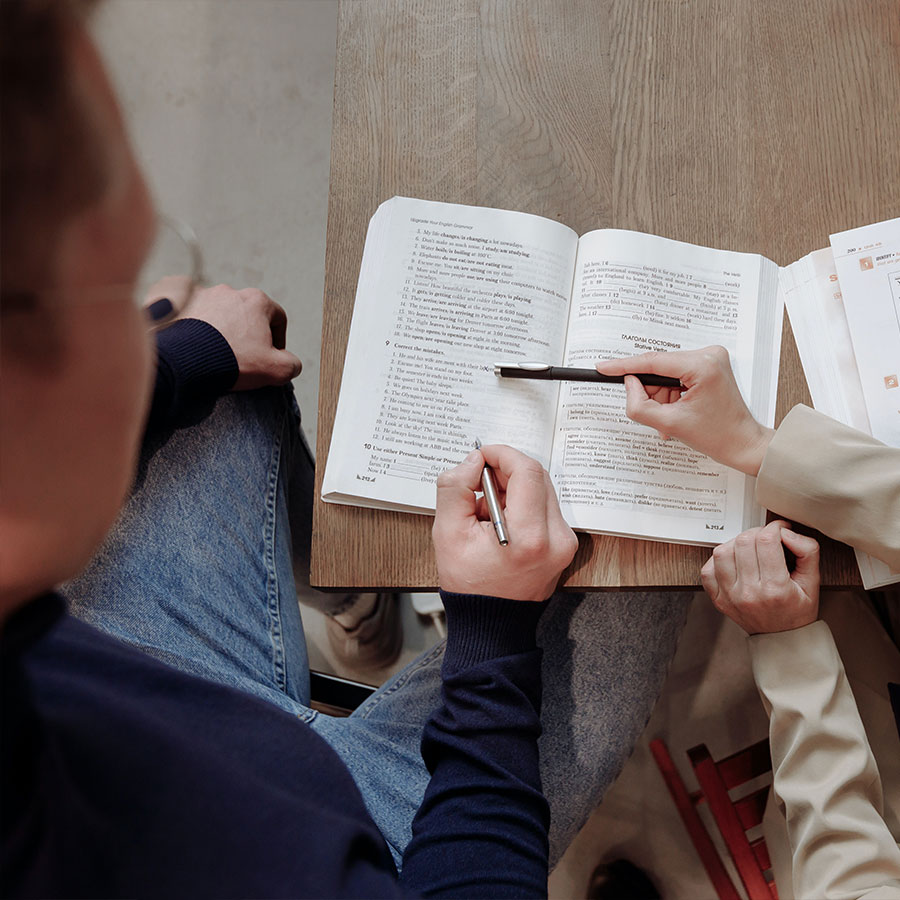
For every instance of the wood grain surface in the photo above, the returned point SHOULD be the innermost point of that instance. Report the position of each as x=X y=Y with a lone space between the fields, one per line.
x=749 y=125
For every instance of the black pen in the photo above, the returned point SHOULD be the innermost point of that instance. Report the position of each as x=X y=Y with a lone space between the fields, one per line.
x=546 y=372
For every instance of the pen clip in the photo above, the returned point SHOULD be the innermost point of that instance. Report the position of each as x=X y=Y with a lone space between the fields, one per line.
x=525 y=366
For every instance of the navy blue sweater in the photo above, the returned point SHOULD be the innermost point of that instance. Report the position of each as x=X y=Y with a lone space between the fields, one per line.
x=122 y=776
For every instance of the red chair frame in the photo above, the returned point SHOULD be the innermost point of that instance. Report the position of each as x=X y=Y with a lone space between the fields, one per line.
x=734 y=818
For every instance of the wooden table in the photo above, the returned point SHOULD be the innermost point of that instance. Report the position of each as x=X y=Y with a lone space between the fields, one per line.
x=756 y=125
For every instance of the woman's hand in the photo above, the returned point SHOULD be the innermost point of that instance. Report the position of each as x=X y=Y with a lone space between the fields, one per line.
x=748 y=579
x=708 y=414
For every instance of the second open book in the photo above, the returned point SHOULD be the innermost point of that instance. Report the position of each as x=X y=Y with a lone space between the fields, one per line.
x=445 y=291
x=844 y=306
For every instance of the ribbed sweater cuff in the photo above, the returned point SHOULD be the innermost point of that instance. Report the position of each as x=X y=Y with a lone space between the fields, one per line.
x=203 y=364
x=482 y=628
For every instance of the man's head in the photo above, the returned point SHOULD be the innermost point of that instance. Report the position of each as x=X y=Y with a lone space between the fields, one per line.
x=76 y=225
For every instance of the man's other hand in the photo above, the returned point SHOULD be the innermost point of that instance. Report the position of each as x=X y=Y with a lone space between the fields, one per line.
x=709 y=414
x=469 y=557
x=748 y=579
x=251 y=322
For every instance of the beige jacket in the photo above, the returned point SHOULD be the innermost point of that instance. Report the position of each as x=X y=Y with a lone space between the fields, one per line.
x=836 y=479
x=847 y=485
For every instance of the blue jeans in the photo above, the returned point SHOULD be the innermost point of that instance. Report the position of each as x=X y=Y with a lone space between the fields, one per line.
x=197 y=572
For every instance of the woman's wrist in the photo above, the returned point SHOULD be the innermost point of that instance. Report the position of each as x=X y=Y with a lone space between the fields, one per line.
x=750 y=457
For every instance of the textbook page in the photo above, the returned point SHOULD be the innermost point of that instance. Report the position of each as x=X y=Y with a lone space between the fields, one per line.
x=867 y=263
x=813 y=299
x=444 y=291
x=635 y=292
x=812 y=296
x=867 y=260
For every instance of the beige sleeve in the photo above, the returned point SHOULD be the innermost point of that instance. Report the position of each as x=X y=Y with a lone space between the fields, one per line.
x=825 y=776
x=836 y=479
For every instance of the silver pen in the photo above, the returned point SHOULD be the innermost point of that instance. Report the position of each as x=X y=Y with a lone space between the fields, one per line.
x=493 y=504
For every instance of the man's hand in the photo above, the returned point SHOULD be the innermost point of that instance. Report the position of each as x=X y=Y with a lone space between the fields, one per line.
x=709 y=414
x=469 y=557
x=749 y=581
x=253 y=324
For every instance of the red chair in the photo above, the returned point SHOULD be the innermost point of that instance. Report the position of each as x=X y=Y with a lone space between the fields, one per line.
x=734 y=818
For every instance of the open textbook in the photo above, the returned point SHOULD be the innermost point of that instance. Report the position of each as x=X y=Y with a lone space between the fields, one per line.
x=844 y=307
x=445 y=291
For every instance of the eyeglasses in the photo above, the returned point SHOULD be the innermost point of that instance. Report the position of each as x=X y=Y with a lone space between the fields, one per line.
x=175 y=251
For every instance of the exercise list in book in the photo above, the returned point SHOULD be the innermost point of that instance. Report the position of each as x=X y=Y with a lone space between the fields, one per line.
x=439 y=353
x=452 y=298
